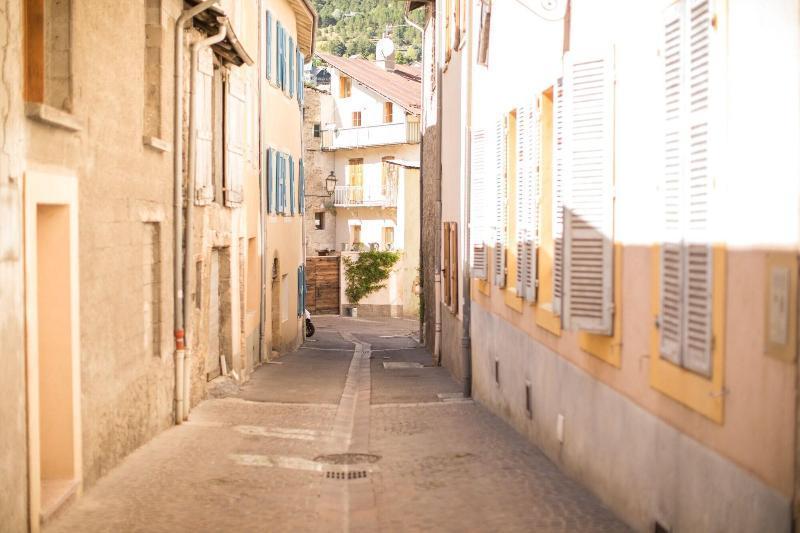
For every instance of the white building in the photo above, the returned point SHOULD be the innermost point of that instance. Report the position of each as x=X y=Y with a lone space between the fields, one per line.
x=370 y=124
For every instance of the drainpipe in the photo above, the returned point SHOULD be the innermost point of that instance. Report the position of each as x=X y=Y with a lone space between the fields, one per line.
x=466 y=272
x=177 y=170
x=437 y=345
x=262 y=223
x=188 y=255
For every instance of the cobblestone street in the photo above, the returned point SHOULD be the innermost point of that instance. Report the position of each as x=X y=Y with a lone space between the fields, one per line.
x=356 y=431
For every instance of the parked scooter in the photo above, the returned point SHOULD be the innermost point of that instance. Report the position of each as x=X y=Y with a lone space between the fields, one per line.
x=309 y=326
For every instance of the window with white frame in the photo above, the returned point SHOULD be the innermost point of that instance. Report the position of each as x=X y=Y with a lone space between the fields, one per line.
x=686 y=255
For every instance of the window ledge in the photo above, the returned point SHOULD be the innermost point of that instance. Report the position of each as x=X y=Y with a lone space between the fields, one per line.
x=52 y=116
x=156 y=143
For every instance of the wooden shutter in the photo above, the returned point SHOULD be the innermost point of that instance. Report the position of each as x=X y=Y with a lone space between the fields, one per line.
x=290 y=53
x=300 y=65
x=446 y=263
x=234 y=140
x=589 y=202
x=671 y=271
x=501 y=203
x=268 y=46
x=279 y=57
x=558 y=179
x=697 y=315
x=204 y=120
x=527 y=199
x=478 y=195
x=282 y=183
x=270 y=164
x=452 y=252
x=301 y=201
x=291 y=186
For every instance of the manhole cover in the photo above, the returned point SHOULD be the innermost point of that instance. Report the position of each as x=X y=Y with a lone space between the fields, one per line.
x=347 y=458
x=345 y=476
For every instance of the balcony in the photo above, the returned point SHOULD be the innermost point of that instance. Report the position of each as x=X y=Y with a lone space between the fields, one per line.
x=381 y=195
x=378 y=135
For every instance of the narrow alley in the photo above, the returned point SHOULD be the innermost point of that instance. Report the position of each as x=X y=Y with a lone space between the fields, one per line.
x=354 y=431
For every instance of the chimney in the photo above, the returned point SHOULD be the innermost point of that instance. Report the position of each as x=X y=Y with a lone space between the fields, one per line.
x=384 y=54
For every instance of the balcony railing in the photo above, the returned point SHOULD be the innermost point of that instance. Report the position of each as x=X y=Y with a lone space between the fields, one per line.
x=382 y=195
x=377 y=135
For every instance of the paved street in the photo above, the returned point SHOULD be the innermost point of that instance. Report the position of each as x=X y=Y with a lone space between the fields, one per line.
x=353 y=432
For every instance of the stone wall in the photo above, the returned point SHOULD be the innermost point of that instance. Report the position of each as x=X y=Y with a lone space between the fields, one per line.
x=13 y=445
x=318 y=165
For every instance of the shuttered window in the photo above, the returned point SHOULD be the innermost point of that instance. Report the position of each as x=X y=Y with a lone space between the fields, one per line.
x=589 y=201
x=300 y=65
x=234 y=140
x=479 y=185
x=527 y=213
x=452 y=278
x=280 y=57
x=686 y=261
x=302 y=188
x=290 y=54
x=280 y=171
x=301 y=290
x=501 y=203
x=558 y=195
x=291 y=186
x=204 y=163
x=446 y=263
x=268 y=46
x=270 y=165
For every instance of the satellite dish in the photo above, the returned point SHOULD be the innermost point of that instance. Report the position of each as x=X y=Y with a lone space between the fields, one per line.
x=384 y=49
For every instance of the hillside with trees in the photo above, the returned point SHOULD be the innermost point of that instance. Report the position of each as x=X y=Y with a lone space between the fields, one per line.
x=352 y=27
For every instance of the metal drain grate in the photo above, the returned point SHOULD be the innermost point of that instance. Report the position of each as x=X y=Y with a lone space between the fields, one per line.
x=346 y=476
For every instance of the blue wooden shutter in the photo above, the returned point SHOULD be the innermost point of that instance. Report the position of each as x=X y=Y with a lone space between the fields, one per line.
x=279 y=56
x=301 y=292
x=269 y=45
x=300 y=63
x=301 y=200
x=291 y=185
x=270 y=165
x=291 y=67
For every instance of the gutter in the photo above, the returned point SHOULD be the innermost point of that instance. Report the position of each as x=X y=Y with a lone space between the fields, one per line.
x=188 y=256
x=177 y=170
x=466 y=273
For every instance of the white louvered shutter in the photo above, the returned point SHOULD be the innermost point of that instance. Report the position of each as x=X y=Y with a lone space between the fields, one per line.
x=203 y=166
x=588 y=297
x=479 y=194
x=559 y=175
x=697 y=315
x=501 y=203
x=527 y=199
x=671 y=306
x=234 y=140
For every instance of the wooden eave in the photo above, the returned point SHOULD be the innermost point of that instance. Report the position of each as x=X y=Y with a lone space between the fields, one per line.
x=306 y=21
x=230 y=49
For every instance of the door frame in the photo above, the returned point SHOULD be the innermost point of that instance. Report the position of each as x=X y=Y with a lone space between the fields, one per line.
x=53 y=187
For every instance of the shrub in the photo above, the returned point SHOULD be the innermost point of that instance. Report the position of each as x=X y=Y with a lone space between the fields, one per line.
x=368 y=273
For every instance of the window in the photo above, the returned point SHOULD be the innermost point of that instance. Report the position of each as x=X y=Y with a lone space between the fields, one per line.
x=291 y=53
x=218 y=125
x=268 y=45
x=686 y=254
x=344 y=86
x=235 y=115
x=483 y=37
x=527 y=199
x=154 y=37
x=388 y=171
x=500 y=202
x=356 y=118
x=355 y=171
x=48 y=58
x=317 y=129
x=388 y=236
x=479 y=214
x=450 y=265
x=204 y=147
x=588 y=254
x=387 y=112
x=319 y=220
x=356 y=233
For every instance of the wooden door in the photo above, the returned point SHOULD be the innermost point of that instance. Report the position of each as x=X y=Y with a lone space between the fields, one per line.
x=322 y=281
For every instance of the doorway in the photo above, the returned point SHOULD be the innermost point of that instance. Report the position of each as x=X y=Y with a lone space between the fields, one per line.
x=52 y=344
x=219 y=314
x=322 y=282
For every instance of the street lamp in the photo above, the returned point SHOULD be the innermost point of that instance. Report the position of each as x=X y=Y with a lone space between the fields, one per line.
x=330 y=183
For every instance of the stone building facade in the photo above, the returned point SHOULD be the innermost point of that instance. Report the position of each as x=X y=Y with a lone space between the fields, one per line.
x=320 y=219
x=90 y=366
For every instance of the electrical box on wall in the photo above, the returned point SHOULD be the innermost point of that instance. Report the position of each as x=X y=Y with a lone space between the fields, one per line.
x=780 y=314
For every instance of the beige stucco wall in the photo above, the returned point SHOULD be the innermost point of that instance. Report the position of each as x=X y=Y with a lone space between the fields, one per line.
x=13 y=446
x=744 y=446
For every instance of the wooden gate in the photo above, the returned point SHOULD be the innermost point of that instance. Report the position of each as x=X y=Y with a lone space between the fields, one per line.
x=322 y=282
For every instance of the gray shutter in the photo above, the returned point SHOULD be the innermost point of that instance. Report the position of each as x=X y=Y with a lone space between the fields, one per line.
x=558 y=181
x=501 y=203
x=290 y=53
x=271 y=205
x=203 y=150
x=671 y=271
x=697 y=297
x=588 y=302
x=234 y=140
x=301 y=201
x=291 y=186
x=478 y=196
x=527 y=199
x=268 y=51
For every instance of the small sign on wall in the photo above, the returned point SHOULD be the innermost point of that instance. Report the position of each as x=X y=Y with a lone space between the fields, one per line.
x=780 y=312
